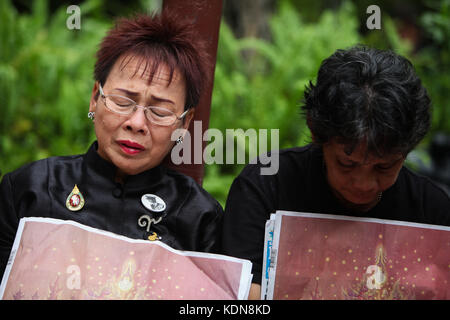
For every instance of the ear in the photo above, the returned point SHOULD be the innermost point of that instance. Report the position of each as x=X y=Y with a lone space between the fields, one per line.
x=188 y=118
x=94 y=97
x=308 y=123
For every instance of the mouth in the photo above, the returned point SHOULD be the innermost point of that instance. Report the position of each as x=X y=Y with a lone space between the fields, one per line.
x=363 y=198
x=130 y=147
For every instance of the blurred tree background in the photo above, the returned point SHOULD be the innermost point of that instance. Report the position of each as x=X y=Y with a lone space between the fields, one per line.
x=268 y=51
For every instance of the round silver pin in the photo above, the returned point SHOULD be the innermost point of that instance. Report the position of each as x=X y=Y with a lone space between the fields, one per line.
x=153 y=202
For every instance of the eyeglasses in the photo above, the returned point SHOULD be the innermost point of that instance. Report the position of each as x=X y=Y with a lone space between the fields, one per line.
x=125 y=106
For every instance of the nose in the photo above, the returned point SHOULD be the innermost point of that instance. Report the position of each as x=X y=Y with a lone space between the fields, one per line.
x=364 y=181
x=137 y=122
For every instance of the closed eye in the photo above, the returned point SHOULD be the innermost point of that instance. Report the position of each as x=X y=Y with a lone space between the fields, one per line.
x=160 y=112
x=384 y=167
x=387 y=166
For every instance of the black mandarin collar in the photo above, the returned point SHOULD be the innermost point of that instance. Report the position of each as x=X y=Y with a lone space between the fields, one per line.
x=108 y=170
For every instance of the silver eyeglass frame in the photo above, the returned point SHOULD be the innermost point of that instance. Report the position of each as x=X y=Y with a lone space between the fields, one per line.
x=135 y=106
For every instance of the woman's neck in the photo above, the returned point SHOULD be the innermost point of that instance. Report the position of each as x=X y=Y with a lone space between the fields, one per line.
x=120 y=176
x=353 y=206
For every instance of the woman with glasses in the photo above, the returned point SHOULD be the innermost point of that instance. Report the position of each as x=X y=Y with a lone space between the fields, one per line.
x=149 y=74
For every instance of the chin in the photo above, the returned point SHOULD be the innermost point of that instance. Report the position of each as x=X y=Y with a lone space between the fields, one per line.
x=132 y=171
x=126 y=168
x=361 y=200
x=132 y=166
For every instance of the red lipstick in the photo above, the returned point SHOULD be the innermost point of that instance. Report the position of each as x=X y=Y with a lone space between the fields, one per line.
x=130 y=147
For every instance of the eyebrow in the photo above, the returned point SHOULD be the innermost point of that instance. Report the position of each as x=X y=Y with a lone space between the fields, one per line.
x=388 y=163
x=128 y=92
x=137 y=94
x=392 y=163
x=345 y=158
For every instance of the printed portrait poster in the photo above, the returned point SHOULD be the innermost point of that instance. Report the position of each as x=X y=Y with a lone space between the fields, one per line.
x=55 y=259
x=335 y=257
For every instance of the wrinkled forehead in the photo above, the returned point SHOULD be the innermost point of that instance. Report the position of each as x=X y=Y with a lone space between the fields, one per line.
x=130 y=66
x=361 y=152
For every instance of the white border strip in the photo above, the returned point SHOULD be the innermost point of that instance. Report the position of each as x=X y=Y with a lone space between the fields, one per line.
x=275 y=243
x=12 y=257
x=363 y=219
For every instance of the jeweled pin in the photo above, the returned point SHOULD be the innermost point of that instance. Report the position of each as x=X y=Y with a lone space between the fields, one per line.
x=153 y=202
x=75 y=200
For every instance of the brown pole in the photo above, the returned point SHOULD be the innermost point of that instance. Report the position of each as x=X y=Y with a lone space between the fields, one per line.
x=206 y=15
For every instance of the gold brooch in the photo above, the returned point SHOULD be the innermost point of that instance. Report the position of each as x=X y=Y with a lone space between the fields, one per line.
x=154 y=237
x=75 y=200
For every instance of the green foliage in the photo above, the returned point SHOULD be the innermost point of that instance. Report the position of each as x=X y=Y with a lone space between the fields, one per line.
x=46 y=76
x=45 y=82
x=260 y=84
x=434 y=64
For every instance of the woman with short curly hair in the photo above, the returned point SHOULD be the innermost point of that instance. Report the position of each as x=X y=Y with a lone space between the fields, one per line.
x=366 y=112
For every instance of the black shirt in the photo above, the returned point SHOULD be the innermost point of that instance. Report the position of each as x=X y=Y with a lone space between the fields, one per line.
x=191 y=220
x=301 y=185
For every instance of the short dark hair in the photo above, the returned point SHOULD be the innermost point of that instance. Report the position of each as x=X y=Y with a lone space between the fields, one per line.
x=157 y=39
x=368 y=95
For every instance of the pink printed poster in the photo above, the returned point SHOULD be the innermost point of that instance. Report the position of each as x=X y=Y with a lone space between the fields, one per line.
x=56 y=259
x=318 y=256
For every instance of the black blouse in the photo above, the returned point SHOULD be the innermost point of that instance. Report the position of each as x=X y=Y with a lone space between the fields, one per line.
x=191 y=220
